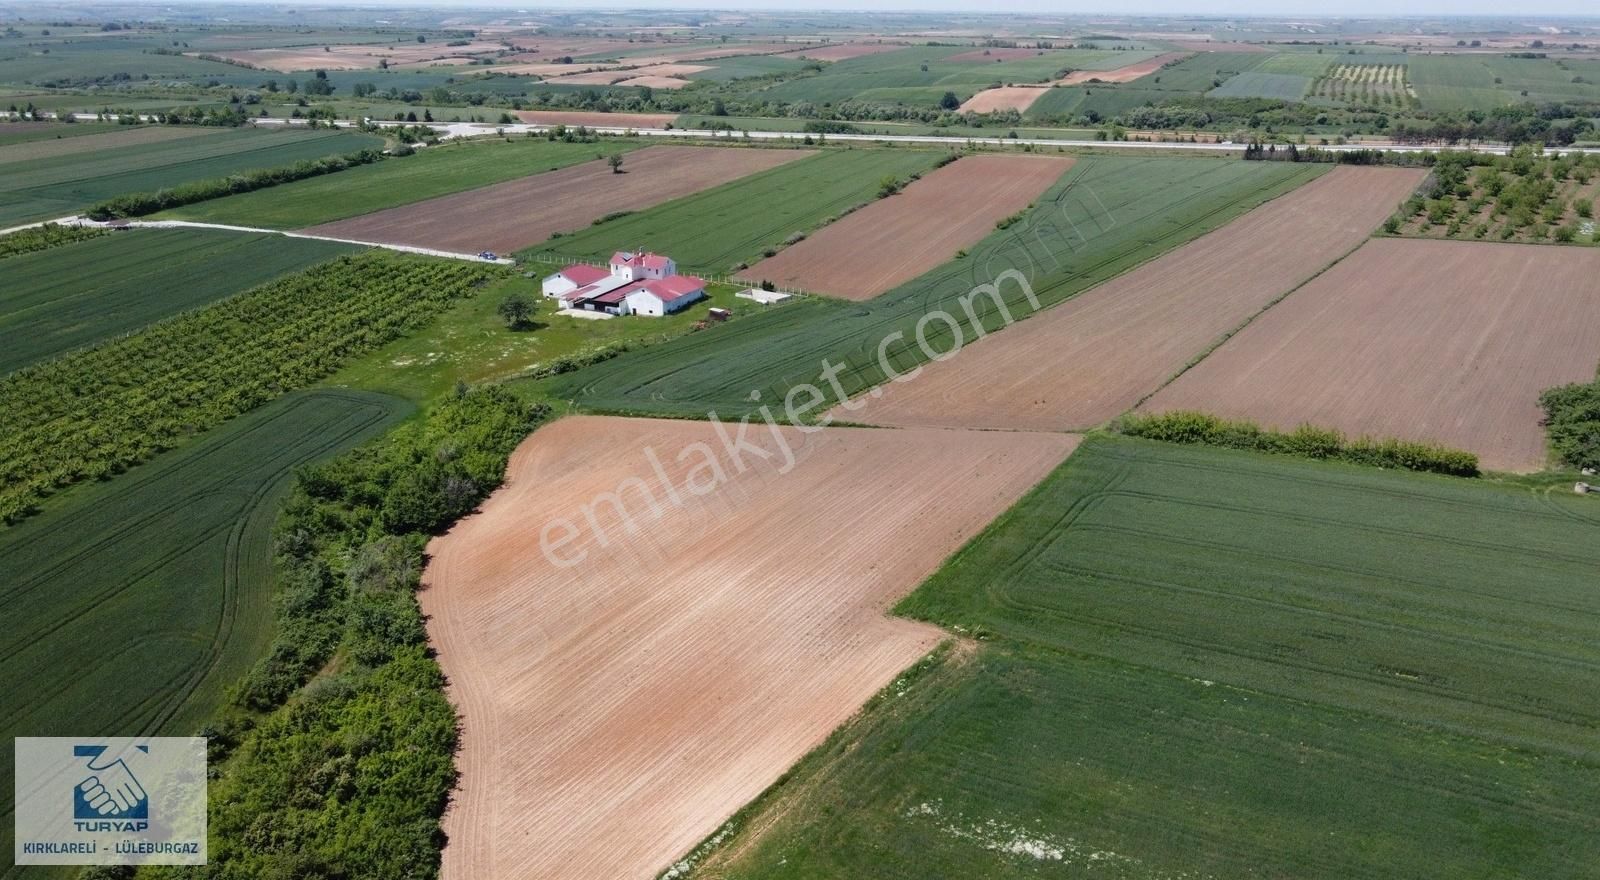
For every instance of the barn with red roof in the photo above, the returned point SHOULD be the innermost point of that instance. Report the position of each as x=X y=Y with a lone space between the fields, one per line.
x=639 y=283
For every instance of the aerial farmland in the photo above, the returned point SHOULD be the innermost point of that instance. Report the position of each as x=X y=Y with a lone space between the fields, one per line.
x=661 y=444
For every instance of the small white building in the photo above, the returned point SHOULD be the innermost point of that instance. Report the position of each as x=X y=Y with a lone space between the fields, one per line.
x=633 y=284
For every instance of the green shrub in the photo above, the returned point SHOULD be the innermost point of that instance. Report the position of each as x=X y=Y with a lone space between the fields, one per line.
x=1306 y=441
x=49 y=235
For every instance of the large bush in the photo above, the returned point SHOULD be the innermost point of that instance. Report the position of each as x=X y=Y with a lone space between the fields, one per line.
x=1572 y=422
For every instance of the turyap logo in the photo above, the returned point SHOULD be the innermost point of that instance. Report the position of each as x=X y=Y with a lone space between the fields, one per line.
x=110 y=791
x=90 y=801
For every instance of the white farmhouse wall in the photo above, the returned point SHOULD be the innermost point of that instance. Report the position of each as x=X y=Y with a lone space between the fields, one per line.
x=555 y=285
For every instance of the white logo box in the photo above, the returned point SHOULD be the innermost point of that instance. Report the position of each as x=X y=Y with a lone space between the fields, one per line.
x=110 y=800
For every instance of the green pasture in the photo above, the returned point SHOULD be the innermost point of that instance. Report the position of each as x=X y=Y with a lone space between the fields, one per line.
x=1104 y=216
x=428 y=173
x=132 y=605
x=51 y=187
x=1202 y=663
x=903 y=72
x=741 y=66
x=1483 y=82
x=1306 y=64
x=30 y=132
x=1255 y=84
x=79 y=294
x=1191 y=77
x=712 y=230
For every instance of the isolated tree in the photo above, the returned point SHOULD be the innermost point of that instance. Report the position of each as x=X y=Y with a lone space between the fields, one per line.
x=615 y=161
x=515 y=310
x=950 y=101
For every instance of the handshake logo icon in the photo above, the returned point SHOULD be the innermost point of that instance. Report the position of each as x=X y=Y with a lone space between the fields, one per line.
x=109 y=790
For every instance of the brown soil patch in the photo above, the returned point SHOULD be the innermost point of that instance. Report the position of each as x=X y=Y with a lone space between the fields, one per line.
x=519 y=213
x=1096 y=355
x=356 y=57
x=616 y=711
x=596 y=120
x=89 y=143
x=547 y=69
x=996 y=54
x=1127 y=73
x=846 y=51
x=1442 y=341
x=541 y=48
x=1018 y=98
x=593 y=78
x=893 y=240
x=656 y=82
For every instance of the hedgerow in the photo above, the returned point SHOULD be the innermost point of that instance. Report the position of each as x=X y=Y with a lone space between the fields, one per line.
x=350 y=776
x=95 y=413
x=26 y=241
x=140 y=204
x=1306 y=441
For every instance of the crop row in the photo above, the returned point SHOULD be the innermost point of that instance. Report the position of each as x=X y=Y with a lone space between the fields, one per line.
x=93 y=414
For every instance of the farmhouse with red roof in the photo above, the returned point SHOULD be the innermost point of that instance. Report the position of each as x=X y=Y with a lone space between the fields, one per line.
x=635 y=284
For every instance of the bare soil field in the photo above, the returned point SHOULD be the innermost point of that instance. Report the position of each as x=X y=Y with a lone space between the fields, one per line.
x=664 y=72
x=1018 y=98
x=893 y=240
x=1442 y=341
x=354 y=57
x=592 y=78
x=519 y=213
x=131 y=136
x=597 y=120
x=1096 y=355
x=846 y=51
x=548 y=48
x=656 y=82
x=1127 y=73
x=549 y=69
x=616 y=711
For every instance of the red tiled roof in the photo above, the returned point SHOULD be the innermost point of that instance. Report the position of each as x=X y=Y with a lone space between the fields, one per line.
x=647 y=260
x=583 y=275
x=674 y=287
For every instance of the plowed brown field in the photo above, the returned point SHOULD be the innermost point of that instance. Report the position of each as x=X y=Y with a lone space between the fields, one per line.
x=1018 y=98
x=508 y=216
x=1443 y=341
x=893 y=240
x=1096 y=355
x=617 y=711
x=596 y=120
x=1128 y=73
